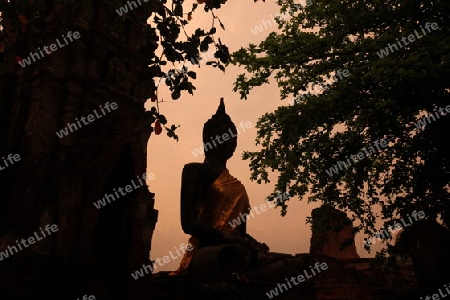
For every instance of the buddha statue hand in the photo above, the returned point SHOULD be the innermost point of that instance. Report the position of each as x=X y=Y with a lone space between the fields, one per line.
x=258 y=250
x=261 y=247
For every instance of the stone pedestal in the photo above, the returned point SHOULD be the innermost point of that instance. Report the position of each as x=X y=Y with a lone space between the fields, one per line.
x=218 y=288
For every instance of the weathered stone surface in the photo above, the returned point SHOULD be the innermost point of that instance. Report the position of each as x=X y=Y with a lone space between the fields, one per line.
x=58 y=180
x=352 y=279
x=222 y=288
x=331 y=229
x=428 y=245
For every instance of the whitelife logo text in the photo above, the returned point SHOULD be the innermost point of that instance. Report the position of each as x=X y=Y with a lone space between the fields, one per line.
x=166 y=259
x=31 y=240
x=86 y=120
x=319 y=267
x=49 y=49
x=128 y=189
x=411 y=38
x=209 y=145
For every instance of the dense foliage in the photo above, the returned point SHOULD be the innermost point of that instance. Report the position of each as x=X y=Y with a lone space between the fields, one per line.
x=391 y=85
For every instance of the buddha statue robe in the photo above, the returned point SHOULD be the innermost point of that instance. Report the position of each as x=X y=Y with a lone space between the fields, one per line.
x=224 y=201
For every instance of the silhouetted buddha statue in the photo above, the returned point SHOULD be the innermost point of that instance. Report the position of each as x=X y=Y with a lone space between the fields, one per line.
x=210 y=199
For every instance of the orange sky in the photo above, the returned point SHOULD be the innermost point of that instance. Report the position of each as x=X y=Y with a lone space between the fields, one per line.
x=166 y=157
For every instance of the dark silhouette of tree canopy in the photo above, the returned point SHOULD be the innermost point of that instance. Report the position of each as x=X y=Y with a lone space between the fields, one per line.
x=383 y=97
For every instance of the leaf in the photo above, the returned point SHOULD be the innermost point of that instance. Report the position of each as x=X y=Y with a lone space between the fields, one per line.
x=178 y=11
x=221 y=25
x=208 y=39
x=192 y=74
x=176 y=95
x=158 y=128
x=162 y=11
x=204 y=45
x=162 y=119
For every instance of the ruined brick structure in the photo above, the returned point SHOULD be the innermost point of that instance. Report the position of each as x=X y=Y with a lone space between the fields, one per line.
x=58 y=180
x=332 y=233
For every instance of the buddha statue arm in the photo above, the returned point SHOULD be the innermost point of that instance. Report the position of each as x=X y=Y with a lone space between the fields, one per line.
x=193 y=186
x=194 y=183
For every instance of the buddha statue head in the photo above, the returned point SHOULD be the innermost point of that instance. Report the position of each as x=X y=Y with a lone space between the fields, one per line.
x=219 y=135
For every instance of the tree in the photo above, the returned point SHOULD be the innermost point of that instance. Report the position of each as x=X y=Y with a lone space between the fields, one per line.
x=362 y=73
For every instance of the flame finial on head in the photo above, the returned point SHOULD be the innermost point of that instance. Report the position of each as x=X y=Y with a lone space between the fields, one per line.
x=221 y=108
x=219 y=123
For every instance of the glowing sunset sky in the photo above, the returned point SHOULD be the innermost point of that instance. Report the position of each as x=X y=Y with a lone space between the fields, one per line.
x=166 y=157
